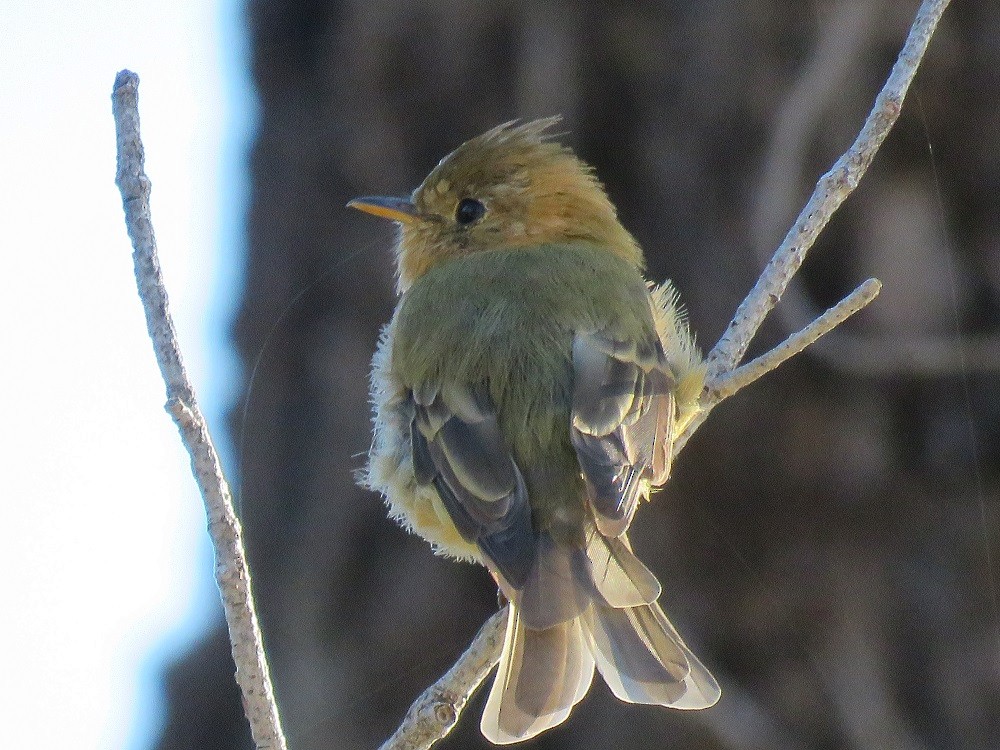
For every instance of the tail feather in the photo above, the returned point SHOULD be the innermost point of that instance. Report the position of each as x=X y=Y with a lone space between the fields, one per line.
x=557 y=588
x=643 y=659
x=542 y=674
x=581 y=608
x=639 y=666
x=702 y=690
x=619 y=576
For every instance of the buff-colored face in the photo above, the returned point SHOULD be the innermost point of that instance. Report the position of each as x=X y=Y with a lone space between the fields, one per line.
x=507 y=188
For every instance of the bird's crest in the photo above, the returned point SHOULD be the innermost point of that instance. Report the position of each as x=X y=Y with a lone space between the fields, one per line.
x=514 y=186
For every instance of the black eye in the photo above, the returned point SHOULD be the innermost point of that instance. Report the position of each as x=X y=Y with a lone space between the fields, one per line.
x=469 y=211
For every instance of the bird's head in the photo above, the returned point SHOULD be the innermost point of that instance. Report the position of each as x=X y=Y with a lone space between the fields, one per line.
x=508 y=188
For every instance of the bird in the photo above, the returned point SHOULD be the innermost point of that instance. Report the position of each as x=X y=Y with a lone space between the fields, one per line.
x=527 y=393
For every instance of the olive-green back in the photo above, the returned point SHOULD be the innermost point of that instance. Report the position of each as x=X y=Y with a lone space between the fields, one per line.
x=507 y=318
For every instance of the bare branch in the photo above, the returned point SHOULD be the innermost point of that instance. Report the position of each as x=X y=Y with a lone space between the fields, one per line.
x=729 y=383
x=231 y=572
x=433 y=715
x=830 y=192
x=851 y=28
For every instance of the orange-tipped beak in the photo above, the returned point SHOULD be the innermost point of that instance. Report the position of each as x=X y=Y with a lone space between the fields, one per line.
x=394 y=209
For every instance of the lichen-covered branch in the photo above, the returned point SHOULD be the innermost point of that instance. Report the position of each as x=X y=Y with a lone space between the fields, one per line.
x=231 y=570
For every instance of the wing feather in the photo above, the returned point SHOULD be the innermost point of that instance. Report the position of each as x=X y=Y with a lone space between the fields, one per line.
x=457 y=447
x=622 y=426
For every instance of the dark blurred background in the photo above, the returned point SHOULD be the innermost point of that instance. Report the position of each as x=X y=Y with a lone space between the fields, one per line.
x=828 y=542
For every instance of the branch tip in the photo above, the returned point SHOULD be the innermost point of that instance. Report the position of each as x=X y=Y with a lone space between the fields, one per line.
x=232 y=573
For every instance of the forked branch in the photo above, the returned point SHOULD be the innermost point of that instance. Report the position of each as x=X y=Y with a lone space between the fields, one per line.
x=830 y=192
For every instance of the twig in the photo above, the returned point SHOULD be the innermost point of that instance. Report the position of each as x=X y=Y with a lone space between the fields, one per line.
x=231 y=572
x=830 y=192
x=851 y=28
x=729 y=383
x=433 y=715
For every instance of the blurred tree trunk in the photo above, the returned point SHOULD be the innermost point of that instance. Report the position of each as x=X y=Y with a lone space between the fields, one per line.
x=825 y=540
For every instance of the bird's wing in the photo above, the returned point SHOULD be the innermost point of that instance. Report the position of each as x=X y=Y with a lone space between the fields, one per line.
x=622 y=427
x=457 y=447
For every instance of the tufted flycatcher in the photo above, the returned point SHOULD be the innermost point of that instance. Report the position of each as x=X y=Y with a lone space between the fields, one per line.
x=527 y=394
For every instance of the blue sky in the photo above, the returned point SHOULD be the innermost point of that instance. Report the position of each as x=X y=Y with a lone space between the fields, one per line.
x=106 y=565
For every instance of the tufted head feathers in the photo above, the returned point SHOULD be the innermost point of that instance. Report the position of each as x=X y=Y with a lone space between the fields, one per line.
x=509 y=187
